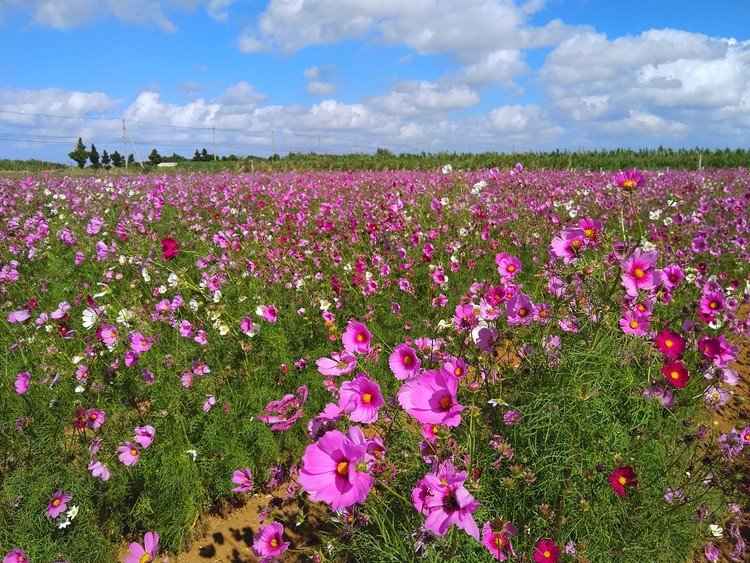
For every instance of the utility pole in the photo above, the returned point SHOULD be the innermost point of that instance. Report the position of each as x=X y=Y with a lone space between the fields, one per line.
x=273 y=149
x=124 y=145
x=213 y=134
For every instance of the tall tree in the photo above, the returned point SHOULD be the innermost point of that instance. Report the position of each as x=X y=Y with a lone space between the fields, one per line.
x=154 y=157
x=131 y=158
x=80 y=154
x=94 y=157
x=106 y=159
x=117 y=160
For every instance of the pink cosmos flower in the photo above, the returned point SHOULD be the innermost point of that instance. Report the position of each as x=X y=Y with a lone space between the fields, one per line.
x=520 y=310
x=431 y=398
x=169 y=248
x=455 y=367
x=361 y=399
x=333 y=469
x=210 y=402
x=243 y=478
x=634 y=324
x=98 y=469
x=94 y=418
x=199 y=368
x=640 y=272
x=139 y=343
x=282 y=414
x=622 y=477
x=16 y=555
x=108 y=335
x=339 y=363
x=718 y=350
x=248 y=327
x=18 y=316
x=507 y=266
x=676 y=373
x=23 y=380
x=356 y=338
x=269 y=543
x=443 y=499
x=144 y=435
x=673 y=276
x=465 y=318
x=128 y=453
x=567 y=246
x=186 y=329
x=496 y=538
x=94 y=226
x=57 y=504
x=546 y=552
x=591 y=229
x=145 y=553
x=629 y=180
x=404 y=362
x=131 y=358
x=712 y=302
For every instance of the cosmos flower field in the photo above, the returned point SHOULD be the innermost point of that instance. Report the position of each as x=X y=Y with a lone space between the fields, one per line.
x=491 y=365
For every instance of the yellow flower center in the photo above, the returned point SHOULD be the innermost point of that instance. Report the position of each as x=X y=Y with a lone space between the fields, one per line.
x=360 y=337
x=407 y=360
x=629 y=184
x=633 y=324
x=622 y=480
x=674 y=374
x=498 y=540
x=144 y=342
x=546 y=554
x=713 y=305
x=446 y=403
x=366 y=398
x=543 y=313
x=589 y=233
x=638 y=273
x=145 y=558
x=343 y=468
x=511 y=268
x=274 y=542
x=522 y=312
x=668 y=343
x=458 y=372
x=133 y=452
x=57 y=502
x=576 y=244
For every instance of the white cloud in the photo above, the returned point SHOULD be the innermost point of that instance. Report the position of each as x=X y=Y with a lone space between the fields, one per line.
x=317 y=85
x=493 y=68
x=419 y=97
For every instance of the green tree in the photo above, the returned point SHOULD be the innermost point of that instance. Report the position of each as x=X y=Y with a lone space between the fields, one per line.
x=131 y=158
x=117 y=160
x=106 y=160
x=154 y=157
x=94 y=157
x=80 y=154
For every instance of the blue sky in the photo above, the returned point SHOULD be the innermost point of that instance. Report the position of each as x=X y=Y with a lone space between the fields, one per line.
x=335 y=75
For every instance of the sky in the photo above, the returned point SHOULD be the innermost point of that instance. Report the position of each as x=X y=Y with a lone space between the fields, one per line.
x=252 y=77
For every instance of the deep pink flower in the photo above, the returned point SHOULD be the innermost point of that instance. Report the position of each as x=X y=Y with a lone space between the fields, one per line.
x=404 y=362
x=546 y=552
x=507 y=266
x=465 y=318
x=16 y=555
x=248 y=327
x=128 y=453
x=23 y=380
x=57 y=504
x=634 y=324
x=676 y=373
x=282 y=414
x=673 y=276
x=356 y=338
x=361 y=399
x=670 y=344
x=567 y=246
x=145 y=553
x=431 y=398
x=269 y=543
x=718 y=350
x=591 y=229
x=622 y=477
x=144 y=435
x=243 y=478
x=520 y=310
x=333 y=469
x=455 y=367
x=640 y=272
x=339 y=363
x=712 y=302
x=496 y=538
x=169 y=248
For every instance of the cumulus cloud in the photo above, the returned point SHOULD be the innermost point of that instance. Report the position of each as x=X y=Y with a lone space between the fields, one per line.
x=318 y=85
x=421 y=97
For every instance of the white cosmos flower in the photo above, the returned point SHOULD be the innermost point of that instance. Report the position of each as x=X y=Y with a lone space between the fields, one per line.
x=172 y=279
x=223 y=329
x=716 y=531
x=89 y=317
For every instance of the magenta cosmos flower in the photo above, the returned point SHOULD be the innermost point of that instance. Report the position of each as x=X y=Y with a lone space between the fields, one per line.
x=670 y=344
x=520 y=310
x=94 y=418
x=676 y=373
x=128 y=453
x=16 y=555
x=629 y=180
x=634 y=324
x=139 y=343
x=356 y=338
x=546 y=552
x=282 y=414
x=640 y=272
x=269 y=543
x=144 y=435
x=445 y=502
x=507 y=266
x=243 y=478
x=622 y=477
x=145 y=553
x=361 y=399
x=57 y=504
x=568 y=245
x=431 y=398
x=496 y=538
x=169 y=248
x=333 y=469
x=23 y=380
x=404 y=362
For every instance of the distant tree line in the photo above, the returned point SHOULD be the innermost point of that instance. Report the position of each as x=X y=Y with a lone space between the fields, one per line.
x=384 y=159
